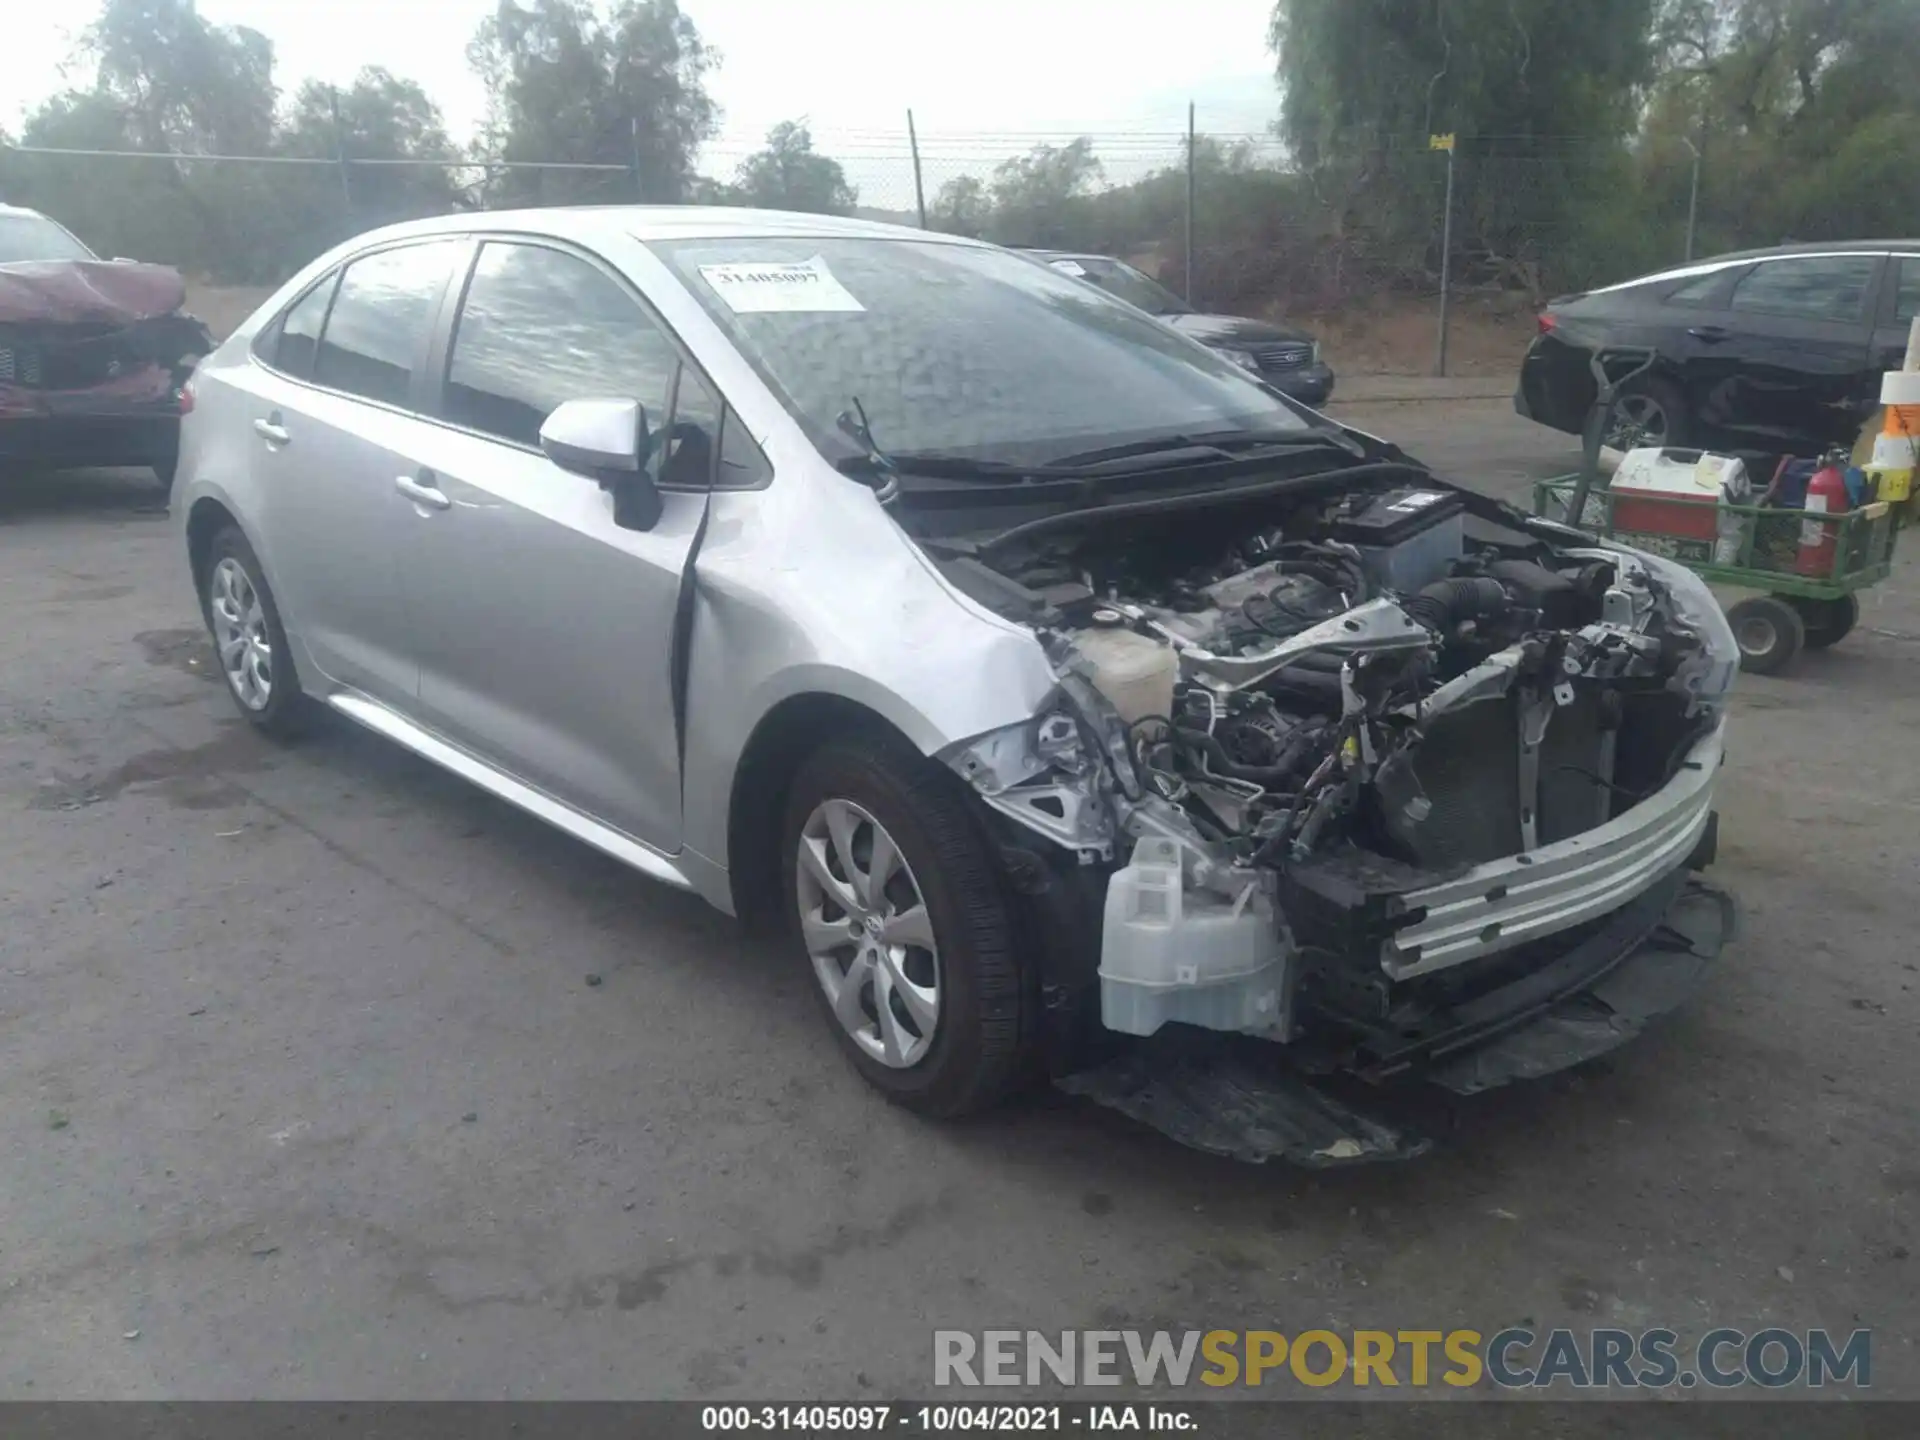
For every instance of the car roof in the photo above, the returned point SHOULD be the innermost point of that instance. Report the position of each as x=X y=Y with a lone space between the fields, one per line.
x=586 y=223
x=1818 y=247
x=1712 y=263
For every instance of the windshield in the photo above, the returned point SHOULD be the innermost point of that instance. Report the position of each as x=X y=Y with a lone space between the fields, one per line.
x=33 y=237
x=1117 y=277
x=961 y=350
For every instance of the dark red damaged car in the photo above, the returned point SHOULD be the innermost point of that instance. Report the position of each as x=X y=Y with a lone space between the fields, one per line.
x=93 y=353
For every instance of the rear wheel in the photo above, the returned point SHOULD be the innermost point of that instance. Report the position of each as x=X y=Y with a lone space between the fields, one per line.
x=1652 y=412
x=249 y=641
x=1770 y=633
x=895 y=897
x=1827 y=622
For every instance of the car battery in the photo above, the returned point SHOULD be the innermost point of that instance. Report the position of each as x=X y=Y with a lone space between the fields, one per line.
x=1668 y=502
x=1407 y=538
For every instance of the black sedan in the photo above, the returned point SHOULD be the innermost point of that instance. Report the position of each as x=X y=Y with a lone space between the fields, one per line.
x=1769 y=350
x=1286 y=358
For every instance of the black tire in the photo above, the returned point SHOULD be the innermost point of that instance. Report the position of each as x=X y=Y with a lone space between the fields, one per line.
x=1770 y=633
x=1657 y=399
x=983 y=1038
x=1827 y=622
x=287 y=712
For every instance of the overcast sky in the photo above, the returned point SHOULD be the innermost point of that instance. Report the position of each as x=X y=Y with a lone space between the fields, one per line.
x=851 y=67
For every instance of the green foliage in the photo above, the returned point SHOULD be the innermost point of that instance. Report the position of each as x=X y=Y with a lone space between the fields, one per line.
x=1043 y=197
x=962 y=207
x=790 y=175
x=566 y=83
x=1805 y=111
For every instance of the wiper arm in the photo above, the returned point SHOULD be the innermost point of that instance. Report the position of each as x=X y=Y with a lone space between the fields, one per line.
x=875 y=466
x=1218 y=445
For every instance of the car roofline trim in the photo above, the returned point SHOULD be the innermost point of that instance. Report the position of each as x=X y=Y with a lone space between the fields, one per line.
x=1714 y=267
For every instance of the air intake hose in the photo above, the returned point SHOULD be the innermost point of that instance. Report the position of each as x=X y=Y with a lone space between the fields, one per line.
x=1447 y=603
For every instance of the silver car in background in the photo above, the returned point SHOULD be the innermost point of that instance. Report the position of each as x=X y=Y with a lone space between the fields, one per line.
x=1047 y=678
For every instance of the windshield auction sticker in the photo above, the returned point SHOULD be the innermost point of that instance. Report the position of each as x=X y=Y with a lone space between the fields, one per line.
x=795 y=287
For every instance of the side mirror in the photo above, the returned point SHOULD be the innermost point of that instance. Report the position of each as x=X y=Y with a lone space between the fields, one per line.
x=607 y=441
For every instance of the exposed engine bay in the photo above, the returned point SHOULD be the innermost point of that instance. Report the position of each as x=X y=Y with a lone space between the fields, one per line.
x=1349 y=746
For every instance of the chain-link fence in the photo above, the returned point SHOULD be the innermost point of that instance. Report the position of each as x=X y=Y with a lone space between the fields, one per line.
x=1228 y=219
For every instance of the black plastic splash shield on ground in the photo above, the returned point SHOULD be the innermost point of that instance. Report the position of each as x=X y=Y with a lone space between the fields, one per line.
x=1241 y=1098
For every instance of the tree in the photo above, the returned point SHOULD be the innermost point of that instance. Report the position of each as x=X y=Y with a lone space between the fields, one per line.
x=183 y=84
x=790 y=175
x=961 y=208
x=383 y=118
x=165 y=81
x=1543 y=95
x=566 y=83
x=1039 y=197
x=1797 y=106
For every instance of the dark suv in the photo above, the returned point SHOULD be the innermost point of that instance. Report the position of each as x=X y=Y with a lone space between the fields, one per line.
x=1769 y=350
x=93 y=353
x=1286 y=358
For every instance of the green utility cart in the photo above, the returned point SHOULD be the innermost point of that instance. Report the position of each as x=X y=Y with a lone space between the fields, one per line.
x=1796 y=608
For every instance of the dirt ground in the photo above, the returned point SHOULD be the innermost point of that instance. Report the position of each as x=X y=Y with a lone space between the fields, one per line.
x=323 y=1074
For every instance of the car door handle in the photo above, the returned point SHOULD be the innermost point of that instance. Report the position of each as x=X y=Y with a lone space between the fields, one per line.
x=1712 y=334
x=272 y=431
x=421 y=488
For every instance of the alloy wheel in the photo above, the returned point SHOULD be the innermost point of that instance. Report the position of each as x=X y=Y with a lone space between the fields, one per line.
x=1637 y=420
x=240 y=633
x=866 y=928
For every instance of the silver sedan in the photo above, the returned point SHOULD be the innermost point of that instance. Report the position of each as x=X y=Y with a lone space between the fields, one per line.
x=1040 y=672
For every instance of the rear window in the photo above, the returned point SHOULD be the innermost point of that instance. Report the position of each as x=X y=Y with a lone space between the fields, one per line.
x=1810 y=287
x=299 y=335
x=376 y=333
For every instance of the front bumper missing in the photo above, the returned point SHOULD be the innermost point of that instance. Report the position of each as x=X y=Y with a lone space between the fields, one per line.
x=1508 y=903
x=1244 y=1098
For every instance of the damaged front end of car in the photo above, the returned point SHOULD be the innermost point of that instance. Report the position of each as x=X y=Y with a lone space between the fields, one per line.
x=1373 y=768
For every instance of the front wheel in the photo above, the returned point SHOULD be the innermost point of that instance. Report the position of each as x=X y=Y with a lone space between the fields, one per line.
x=897 y=903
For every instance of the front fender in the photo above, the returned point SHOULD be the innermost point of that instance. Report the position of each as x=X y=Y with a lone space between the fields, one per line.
x=887 y=635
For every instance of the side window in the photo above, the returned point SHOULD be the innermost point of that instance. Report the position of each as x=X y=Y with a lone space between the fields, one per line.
x=540 y=326
x=1825 y=287
x=695 y=435
x=1700 y=290
x=378 y=327
x=299 y=335
x=1906 y=300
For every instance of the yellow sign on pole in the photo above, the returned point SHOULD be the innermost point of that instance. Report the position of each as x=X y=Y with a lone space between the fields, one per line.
x=1440 y=142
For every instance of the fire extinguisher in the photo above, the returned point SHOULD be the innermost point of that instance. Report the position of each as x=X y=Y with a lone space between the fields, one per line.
x=1820 y=539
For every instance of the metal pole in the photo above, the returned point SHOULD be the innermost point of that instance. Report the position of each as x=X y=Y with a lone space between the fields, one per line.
x=919 y=191
x=1693 y=195
x=1446 y=267
x=639 y=186
x=1188 y=296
